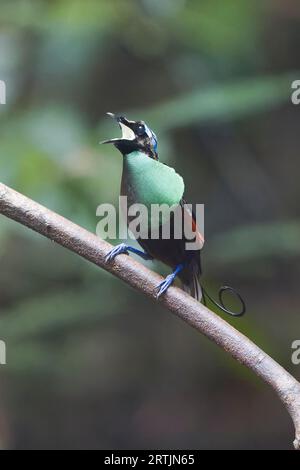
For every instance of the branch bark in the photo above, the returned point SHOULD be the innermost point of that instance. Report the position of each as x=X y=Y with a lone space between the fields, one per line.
x=36 y=217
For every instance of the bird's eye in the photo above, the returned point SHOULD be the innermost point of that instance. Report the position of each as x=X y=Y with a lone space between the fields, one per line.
x=140 y=129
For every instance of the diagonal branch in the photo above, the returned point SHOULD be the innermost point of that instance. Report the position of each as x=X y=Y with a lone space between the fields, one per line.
x=89 y=246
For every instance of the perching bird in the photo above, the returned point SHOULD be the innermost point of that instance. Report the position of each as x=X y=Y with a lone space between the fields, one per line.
x=147 y=181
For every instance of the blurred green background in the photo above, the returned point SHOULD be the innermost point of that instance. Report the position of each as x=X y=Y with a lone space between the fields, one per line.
x=91 y=363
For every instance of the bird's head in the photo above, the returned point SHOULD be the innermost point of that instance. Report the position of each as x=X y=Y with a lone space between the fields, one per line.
x=136 y=136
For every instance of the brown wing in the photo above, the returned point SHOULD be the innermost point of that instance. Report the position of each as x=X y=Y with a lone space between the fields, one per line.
x=190 y=219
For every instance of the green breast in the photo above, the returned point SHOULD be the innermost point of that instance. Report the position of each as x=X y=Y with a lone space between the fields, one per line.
x=147 y=181
x=151 y=182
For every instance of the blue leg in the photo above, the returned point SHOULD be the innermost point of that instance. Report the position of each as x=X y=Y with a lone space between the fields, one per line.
x=165 y=284
x=124 y=249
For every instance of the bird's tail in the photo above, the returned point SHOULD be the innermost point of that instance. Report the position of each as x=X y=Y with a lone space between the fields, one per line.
x=196 y=290
x=193 y=287
x=220 y=304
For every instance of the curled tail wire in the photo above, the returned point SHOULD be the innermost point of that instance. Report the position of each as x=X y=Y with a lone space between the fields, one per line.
x=220 y=303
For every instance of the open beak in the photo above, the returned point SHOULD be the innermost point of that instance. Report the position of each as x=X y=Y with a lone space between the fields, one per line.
x=125 y=126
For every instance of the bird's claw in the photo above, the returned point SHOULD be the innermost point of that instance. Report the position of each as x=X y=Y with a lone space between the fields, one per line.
x=117 y=250
x=164 y=285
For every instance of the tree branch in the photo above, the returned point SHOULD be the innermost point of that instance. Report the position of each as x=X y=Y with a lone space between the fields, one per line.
x=89 y=246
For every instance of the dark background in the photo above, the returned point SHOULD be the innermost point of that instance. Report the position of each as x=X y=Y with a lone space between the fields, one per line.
x=91 y=363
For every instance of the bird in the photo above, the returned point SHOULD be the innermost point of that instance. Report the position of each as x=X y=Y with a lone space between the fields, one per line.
x=148 y=181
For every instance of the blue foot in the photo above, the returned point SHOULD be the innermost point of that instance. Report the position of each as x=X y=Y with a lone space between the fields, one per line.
x=117 y=250
x=165 y=284
x=124 y=249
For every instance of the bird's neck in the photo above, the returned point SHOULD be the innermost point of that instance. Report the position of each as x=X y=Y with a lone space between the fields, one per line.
x=135 y=156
